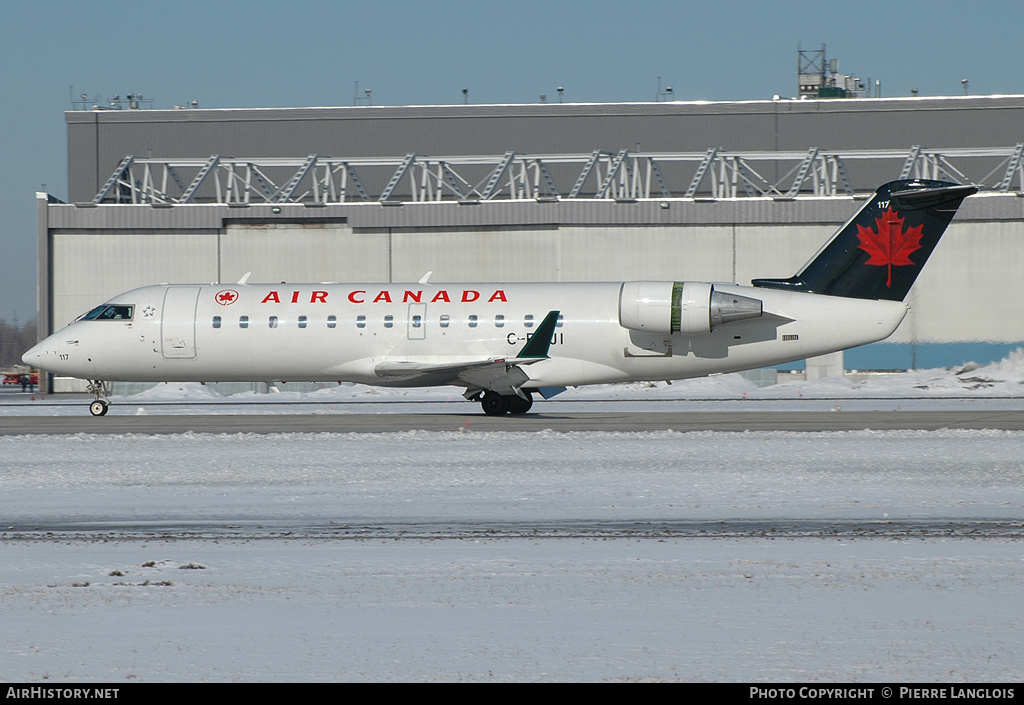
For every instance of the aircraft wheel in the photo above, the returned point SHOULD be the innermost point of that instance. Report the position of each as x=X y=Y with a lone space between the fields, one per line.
x=98 y=408
x=517 y=405
x=494 y=404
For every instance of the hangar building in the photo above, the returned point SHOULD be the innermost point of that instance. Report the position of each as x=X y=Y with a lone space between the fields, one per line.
x=709 y=191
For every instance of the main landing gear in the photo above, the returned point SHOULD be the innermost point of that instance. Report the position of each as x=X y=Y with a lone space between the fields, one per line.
x=99 y=407
x=495 y=404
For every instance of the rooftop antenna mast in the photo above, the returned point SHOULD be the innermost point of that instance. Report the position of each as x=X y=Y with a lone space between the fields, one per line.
x=667 y=93
x=365 y=97
x=810 y=70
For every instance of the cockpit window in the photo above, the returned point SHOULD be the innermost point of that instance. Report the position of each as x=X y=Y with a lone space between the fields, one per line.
x=108 y=312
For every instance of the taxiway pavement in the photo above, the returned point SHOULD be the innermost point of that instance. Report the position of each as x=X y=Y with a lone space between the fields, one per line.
x=1005 y=420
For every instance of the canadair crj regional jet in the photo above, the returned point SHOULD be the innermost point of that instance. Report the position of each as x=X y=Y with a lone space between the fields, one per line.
x=502 y=342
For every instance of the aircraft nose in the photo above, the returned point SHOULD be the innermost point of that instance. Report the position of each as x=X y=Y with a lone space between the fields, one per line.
x=43 y=354
x=33 y=356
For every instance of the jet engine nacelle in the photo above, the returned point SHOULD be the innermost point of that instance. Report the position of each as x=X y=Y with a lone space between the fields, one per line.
x=691 y=308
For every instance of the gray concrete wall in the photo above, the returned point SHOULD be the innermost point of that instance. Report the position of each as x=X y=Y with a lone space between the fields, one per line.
x=90 y=267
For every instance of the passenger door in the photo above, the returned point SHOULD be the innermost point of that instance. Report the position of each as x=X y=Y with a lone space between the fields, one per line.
x=178 y=322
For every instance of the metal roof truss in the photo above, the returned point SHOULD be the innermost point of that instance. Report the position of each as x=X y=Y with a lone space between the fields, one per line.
x=621 y=176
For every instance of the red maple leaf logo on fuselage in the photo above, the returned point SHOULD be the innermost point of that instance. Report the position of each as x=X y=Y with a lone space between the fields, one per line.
x=226 y=297
x=887 y=244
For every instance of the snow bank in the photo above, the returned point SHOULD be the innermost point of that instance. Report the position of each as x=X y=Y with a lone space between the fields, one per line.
x=999 y=379
x=177 y=391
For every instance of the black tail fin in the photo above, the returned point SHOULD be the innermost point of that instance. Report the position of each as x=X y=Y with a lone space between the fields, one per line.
x=881 y=250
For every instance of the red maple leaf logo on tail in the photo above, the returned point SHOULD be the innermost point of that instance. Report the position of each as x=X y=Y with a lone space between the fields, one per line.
x=887 y=244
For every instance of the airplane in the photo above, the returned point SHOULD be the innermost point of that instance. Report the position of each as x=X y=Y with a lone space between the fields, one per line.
x=503 y=342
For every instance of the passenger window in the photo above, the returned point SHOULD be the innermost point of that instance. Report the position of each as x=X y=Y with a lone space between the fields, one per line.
x=445 y=320
x=528 y=320
x=216 y=321
x=332 y=321
x=559 y=323
x=389 y=321
x=243 y=321
x=499 y=321
x=273 y=321
x=472 y=321
x=417 y=321
x=302 y=321
x=360 y=321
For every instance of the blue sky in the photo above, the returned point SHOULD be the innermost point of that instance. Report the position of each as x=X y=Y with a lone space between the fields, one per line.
x=268 y=54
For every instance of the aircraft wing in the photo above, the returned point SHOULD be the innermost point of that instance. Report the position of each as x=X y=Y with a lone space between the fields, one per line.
x=503 y=375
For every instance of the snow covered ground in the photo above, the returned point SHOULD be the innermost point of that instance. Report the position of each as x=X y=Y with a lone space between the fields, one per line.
x=513 y=556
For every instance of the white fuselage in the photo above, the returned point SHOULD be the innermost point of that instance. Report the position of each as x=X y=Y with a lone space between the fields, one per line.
x=346 y=332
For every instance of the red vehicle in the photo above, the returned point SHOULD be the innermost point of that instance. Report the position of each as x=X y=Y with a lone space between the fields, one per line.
x=15 y=378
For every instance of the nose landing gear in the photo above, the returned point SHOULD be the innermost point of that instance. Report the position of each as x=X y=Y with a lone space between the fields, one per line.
x=99 y=407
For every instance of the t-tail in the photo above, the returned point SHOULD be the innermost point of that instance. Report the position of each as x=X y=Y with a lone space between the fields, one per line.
x=881 y=250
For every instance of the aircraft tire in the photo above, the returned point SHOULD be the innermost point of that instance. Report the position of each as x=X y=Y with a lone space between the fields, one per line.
x=494 y=404
x=517 y=405
x=99 y=408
